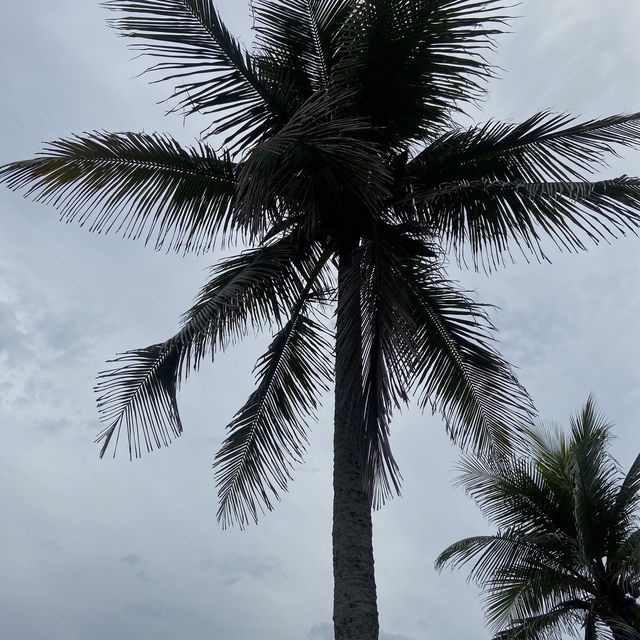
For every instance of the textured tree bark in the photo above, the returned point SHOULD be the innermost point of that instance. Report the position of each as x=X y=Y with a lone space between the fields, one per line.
x=355 y=611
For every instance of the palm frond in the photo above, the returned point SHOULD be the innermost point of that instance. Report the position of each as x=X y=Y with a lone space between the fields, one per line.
x=553 y=625
x=458 y=371
x=625 y=564
x=493 y=555
x=508 y=550
x=625 y=629
x=521 y=574
x=387 y=357
x=499 y=185
x=268 y=435
x=134 y=184
x=627 y=501
x=595 y=475
x=542 y=148
x=461 y=552
x=213 y=74
x=488 y=218
x=139 y=393
x=514 y=492
x=417 y=62
x=524 y=591
x=303 y=36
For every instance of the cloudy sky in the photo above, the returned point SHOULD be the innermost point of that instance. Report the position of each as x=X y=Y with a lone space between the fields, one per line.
x=111 y=549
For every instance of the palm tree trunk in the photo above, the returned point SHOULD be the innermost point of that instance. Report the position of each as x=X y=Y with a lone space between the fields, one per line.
x=355 y=612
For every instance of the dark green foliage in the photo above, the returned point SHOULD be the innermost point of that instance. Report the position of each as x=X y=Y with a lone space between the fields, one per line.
x=567 y=552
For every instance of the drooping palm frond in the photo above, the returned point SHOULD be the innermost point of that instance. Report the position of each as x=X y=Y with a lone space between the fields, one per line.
x=489 y=554
x=139 y=393
x=541 y=582
x=416 y=62
x=457 y=370
x=625 y=562
x=212 y=72
x=387 y=353
x=522 y=574
x=268 y=435
x=303 y=35
x=556 y=624
x=134 y=184
x=498 y=185
x=620 y=628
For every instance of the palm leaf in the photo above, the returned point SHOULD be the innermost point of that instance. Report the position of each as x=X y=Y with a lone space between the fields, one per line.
x=553 y=625
x=493 y=186
x=521 y=574
x=139 y=393
x=627 y=502
x=626 y=562
x=417 y=61
x=542 y=148
x=387 y=354
x=524 y=591
x=457 y=370
x=594 y=473
x=489 y=217
x=212 y=72
x=510 y=549
x=303 y=36
x=515 y=493
x=268 y=435
x=135 y=184
x=622 y=629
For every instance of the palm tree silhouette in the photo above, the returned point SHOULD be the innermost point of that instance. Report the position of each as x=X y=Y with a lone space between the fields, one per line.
x=344 y=172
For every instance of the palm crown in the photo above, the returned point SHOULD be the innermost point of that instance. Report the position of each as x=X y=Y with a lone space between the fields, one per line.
x=567 y=551
x=344 y=172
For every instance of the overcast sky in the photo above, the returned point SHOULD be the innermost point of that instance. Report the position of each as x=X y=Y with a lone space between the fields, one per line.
x=117 y=550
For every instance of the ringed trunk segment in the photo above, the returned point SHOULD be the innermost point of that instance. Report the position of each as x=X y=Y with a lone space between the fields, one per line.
x=355 y=613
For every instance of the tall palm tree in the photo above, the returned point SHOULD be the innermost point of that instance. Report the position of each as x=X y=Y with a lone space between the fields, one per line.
x=567 y=551
x=345 y=174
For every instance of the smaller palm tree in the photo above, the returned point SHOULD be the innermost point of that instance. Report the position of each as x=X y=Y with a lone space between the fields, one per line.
x=567 y=553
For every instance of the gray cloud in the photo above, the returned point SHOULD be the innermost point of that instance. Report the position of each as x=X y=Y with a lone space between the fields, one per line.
x=132 y=559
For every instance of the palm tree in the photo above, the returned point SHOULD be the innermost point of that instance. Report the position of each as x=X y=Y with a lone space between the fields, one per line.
x=567 y=551
x=345 y=174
